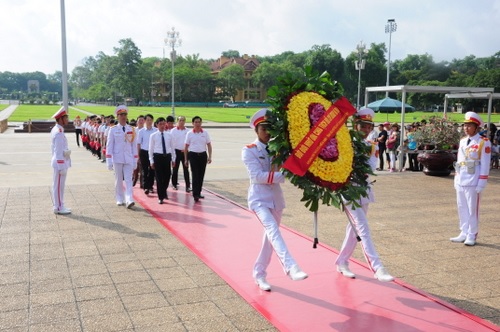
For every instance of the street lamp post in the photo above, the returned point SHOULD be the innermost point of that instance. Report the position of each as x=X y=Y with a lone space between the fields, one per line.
x=390 y=27
x=173 y=40
x=360 y=65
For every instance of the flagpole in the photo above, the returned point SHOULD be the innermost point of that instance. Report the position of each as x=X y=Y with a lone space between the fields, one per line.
x=64 y=77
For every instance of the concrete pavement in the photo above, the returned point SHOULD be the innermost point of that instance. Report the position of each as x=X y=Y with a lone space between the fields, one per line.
x=105 y=268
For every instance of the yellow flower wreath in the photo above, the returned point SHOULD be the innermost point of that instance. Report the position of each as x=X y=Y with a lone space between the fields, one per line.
x=331 y=171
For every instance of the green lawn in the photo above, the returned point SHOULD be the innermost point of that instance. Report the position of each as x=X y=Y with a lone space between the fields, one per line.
x=213 y=114
x=45 y=112
x=227 y=115
x=3 y=106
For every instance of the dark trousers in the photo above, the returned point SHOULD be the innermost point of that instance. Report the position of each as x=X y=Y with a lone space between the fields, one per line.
x=179 y=159
x=148 y=174
x=381 y=151
x=78 y=132
x=198 y=164
x=412 y=158
x=162 y=173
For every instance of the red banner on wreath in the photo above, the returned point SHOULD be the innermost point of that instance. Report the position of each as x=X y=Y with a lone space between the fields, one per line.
x=311 y=145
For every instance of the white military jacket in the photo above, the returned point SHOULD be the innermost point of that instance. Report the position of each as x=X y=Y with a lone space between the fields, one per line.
x=476 y=154
x=264 y=190
x=121 y=147
x=58 y=146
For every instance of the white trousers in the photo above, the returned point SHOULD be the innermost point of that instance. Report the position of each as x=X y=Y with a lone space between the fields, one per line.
x=358 y=217
x=392 y=159
x=123 y=173
x=468 y=211
x=58 y=184
x=271 y=240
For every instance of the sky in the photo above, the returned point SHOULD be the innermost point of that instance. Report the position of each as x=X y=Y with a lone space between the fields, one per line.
x=30 y=38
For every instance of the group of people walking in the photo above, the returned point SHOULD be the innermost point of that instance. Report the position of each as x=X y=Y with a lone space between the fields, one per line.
x=145 y=150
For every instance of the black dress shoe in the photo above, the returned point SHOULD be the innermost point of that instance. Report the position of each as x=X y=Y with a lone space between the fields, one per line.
x=201 y=196
x=146 y=191
x=188 y=190
x=175 y=187
x=196 y=199
x=160 y=201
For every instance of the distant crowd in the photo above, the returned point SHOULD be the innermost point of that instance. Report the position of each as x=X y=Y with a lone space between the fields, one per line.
x=388 y=138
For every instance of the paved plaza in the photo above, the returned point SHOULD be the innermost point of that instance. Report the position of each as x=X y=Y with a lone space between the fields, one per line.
x=106 y=268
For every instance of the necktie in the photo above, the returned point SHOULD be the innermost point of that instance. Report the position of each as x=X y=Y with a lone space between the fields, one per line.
x=123 y=128
x=163 y=144
x=468 y=141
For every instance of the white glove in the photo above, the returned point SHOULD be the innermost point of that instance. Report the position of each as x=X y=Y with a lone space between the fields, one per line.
x=479 y=189
x=63 y=171
x=110 y=167
x=67 y=153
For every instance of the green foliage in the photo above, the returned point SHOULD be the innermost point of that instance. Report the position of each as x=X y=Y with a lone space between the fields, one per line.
x=314 y=194
x=440 y=133
x=232 y=78
x=324 y=58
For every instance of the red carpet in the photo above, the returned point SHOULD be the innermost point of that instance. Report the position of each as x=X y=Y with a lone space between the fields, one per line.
x=227 y=237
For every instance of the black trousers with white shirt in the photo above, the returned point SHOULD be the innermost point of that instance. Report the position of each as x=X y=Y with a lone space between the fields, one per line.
x=162 y=172
x=148 y=174
x=179 y=159
x=198 y=164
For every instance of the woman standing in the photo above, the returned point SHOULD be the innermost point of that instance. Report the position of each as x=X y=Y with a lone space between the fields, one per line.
x=78 y=129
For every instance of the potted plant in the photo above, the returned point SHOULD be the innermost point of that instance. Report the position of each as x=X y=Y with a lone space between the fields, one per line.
x=438 y=138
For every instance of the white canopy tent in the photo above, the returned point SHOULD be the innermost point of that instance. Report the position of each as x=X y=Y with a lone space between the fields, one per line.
x=474 y=95
x=447 y=90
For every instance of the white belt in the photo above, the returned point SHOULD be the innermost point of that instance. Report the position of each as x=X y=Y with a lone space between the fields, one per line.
x=463 y=163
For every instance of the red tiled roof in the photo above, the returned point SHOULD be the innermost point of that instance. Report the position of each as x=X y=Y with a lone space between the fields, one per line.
x=248 y=63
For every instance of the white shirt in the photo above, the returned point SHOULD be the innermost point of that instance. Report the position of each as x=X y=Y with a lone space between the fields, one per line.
x=143 y=139
x=197 y=141
x=179 y=136
x=156 y=146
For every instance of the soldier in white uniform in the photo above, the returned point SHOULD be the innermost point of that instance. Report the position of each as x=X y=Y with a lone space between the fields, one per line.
x=357 y=216
x=122 y=156
x=60 y=160
x=471 y=174
x=265 y=198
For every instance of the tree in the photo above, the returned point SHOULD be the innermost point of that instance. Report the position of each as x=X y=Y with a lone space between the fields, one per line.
x=231 y=54
x=467 y=65
x=266 y=75
x=324 y=58
x=231 y=79
x=193 y=80
x=127 y=77
x=420 y=67
x=374 y=73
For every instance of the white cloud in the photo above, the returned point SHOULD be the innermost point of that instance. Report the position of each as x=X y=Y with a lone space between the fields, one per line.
x=31 y=37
